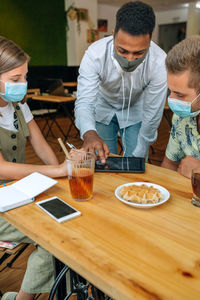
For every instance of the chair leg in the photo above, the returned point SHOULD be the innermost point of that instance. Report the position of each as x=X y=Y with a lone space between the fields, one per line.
x=4 y=257
x=17 y=255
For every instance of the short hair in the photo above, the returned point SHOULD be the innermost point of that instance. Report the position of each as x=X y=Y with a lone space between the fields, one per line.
x=135 y=18
x=185 y=56
x=11 y=55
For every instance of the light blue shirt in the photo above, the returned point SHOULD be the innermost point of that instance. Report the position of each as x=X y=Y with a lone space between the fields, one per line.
x=102 y=86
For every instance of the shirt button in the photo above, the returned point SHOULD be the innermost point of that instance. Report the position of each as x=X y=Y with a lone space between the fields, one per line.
x=13 y=136
x=14 y=147
x=17 y=107
x=14 y=160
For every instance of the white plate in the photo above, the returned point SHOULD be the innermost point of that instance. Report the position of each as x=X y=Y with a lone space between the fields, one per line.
x=164 y=192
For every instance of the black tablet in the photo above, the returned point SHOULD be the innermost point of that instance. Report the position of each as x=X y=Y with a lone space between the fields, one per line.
x=122 y=164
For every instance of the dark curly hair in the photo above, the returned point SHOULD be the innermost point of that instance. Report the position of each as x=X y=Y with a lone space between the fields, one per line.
x=135 y=18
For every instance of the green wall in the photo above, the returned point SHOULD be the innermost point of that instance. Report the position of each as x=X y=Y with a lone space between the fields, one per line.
x=38 y=27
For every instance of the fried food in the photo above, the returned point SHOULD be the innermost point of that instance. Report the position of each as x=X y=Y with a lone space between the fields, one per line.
x=140 y=194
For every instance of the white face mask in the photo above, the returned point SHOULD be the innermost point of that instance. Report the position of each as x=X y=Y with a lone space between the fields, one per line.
x=182 y=108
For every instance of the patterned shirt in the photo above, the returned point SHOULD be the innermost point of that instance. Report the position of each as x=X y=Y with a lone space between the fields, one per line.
x=184 y=139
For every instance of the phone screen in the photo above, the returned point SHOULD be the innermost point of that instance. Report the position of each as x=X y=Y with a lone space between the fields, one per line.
x=121 y=164
x=57 y=208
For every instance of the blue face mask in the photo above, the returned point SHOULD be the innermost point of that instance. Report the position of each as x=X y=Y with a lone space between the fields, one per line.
x=182 y=108
x=14 y=92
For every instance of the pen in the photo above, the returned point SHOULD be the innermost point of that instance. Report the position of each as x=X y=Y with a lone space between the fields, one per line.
x=71 y=146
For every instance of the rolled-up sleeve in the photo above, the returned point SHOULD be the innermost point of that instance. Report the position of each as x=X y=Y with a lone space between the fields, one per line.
x=154 y=98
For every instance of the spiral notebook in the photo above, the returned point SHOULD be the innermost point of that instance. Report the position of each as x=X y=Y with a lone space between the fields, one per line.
x=23 y=191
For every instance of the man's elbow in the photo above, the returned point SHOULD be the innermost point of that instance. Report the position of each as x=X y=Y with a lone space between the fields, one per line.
x=169 y=164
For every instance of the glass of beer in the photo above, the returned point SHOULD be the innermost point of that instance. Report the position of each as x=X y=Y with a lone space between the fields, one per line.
x=80 y=175
x=196 y=187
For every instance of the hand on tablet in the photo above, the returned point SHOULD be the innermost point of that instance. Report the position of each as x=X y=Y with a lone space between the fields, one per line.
x=93 y=143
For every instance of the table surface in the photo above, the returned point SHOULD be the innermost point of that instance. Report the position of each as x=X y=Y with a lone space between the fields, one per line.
x=127 y=252
x=53 y=98
x=70 y=84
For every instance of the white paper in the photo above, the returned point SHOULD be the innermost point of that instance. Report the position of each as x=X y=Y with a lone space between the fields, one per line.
x=34 y=184
x=23 y=191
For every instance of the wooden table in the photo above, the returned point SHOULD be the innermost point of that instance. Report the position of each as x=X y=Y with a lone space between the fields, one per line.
x=54 y=99
x=70 y=84
x=61 y=101
x=128 y=253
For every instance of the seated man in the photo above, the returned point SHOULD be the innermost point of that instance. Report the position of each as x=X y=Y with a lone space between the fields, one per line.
x=183 y=68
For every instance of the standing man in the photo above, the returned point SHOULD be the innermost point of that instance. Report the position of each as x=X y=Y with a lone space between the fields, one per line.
x=183 y=76
x=122 y=86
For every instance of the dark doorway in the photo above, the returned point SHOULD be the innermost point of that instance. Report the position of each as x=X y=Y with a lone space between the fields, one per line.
x=171 y=34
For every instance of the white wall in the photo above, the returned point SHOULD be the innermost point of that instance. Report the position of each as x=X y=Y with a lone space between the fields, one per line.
x=169 y=17
x=193 y=26
x=77 y=43
x=107 y=12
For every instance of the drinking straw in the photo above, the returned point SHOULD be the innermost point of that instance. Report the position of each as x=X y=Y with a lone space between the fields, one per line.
x=79 y=180
x=64 y=148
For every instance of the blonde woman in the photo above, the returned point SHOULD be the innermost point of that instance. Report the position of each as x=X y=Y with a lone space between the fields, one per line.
x=16 y=126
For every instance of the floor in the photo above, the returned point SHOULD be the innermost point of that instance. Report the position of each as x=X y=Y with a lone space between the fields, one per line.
x=10 y=279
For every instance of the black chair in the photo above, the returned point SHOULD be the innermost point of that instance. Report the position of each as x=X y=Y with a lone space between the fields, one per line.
x=78 y=285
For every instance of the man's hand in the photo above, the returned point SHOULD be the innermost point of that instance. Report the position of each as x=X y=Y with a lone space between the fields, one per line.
x=187 y=164
x=93 y=142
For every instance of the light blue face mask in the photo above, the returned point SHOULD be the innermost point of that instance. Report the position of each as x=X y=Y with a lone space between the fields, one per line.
x=14 y=91
x=182 y=108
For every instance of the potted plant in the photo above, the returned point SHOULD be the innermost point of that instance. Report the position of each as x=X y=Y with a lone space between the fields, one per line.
x=73 y=14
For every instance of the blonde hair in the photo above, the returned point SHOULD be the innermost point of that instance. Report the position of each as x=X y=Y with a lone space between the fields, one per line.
x=11 y=55
x=185 y=56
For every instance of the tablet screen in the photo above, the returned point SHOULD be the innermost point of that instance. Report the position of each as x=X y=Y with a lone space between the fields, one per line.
x=121 y=164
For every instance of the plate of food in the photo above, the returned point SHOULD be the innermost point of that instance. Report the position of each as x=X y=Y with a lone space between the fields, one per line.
x=142 y=194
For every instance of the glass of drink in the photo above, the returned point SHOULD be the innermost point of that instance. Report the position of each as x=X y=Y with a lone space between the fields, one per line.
x=80 y=175
x=196 y=187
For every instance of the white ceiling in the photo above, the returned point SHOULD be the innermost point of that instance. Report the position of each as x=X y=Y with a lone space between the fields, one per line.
x=158 y=5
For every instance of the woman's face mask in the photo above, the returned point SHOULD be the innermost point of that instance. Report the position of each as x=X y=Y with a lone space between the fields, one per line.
x=127 y=65
x=14 y=91
x=182 y=108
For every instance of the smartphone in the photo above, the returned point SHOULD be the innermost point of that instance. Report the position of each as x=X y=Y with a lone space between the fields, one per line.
x=121 y=165
x=58 y=209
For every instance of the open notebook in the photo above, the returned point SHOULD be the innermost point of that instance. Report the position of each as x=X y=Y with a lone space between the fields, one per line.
x=23 y=191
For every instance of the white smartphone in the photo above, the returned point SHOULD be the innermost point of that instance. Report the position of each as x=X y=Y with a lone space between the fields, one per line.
x=58 y=209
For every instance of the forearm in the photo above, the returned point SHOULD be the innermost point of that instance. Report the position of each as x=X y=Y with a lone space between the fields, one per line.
x=12 y=171
x=40 y=145
x=84 y=118
x=153 y=105
x=46 y=154
x=87 y=90
x=169 y=164
x=144 y=142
